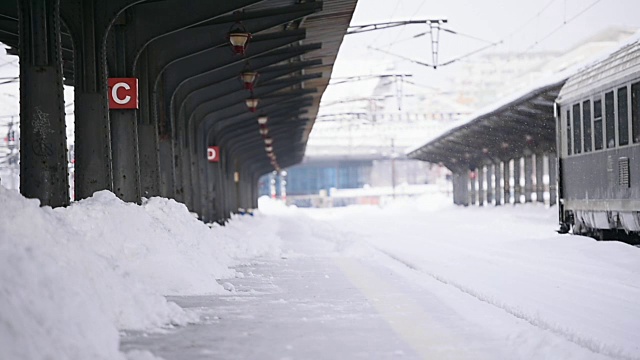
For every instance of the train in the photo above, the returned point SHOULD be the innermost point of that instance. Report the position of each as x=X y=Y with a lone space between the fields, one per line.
x=598 y=144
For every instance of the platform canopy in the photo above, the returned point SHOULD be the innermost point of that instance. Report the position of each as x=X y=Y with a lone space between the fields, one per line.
x=519 y=125
x=191 y=65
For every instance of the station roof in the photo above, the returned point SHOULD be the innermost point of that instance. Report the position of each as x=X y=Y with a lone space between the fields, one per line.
x=522 y=124
x=319 y=29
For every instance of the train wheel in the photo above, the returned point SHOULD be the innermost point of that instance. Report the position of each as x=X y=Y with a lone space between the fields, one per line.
x=564 y=229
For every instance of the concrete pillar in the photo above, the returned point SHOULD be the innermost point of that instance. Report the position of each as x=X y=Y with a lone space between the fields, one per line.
x=539 y=178
x=43 y=140
x=553 y=179
x=497 y=188
x=517 y=188
x=506 y=182
x=489 y=182
x=528 y=178
x=481 y=193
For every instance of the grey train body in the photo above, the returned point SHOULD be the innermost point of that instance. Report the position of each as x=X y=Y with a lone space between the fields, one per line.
x=598 y=144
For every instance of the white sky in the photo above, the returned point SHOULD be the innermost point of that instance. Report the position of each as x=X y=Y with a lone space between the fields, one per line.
x=520 y=24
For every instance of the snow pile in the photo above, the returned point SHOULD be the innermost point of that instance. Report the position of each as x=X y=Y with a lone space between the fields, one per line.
x=70 y=278
x=246 y=241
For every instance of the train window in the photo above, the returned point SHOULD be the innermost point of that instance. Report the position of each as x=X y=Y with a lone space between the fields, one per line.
x=586 y=125
x=623 y=117
x=635 y=112
x=597 y=124
x=610 y=119
x=577 y=129
x=568 y=132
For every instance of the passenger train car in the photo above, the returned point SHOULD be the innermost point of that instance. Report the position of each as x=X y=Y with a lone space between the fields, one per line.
x=598 y=144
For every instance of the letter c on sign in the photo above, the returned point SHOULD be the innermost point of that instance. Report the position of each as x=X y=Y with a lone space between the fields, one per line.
x=123 y=93
x=114 y=93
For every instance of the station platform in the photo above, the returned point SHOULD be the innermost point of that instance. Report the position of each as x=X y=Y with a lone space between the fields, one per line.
x=313 y=303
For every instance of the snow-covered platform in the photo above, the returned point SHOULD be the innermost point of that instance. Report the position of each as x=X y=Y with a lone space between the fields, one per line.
x=320 y=308
x=282 y=309
x=103 y=279
x=334 y=295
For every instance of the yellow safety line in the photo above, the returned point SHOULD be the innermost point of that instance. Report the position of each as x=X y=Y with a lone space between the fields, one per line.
x=405 y=316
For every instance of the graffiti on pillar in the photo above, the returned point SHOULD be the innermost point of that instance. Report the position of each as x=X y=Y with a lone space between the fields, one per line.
x=42 y=128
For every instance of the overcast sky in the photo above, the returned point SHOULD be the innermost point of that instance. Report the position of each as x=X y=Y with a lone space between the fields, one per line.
x=521 y=25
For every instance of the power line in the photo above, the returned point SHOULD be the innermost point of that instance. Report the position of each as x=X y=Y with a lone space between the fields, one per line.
x=562 y=25
x=537 y=15
x=11 y=80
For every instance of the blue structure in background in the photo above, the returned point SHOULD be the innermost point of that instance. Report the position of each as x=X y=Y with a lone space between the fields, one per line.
x=312 y=177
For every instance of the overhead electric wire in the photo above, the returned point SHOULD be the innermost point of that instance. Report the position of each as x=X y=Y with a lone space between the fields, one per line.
x=562 y=25
x=467 y=36
x=537 y=15
x=12 y=80
x=402 y=57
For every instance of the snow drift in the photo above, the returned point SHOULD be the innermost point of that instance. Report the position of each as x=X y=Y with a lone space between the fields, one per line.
x=70 y=278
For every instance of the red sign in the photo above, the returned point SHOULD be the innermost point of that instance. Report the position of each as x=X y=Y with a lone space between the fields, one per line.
x=213 y=154
x=123 y=93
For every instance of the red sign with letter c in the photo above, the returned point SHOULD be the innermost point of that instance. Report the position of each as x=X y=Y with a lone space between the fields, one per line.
x=123 y=93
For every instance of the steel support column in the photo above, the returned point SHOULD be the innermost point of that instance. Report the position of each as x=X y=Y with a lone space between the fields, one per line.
x=89 y=22
x=455 y=182
x=481 y=193
x=167 y=183
x=124 y=129
x=506 y=183
x=148 y=145
x=553 y=179
x=473 y=179
x=464 y=188
x=497 y=189
x=517 y=188
x=540 y=177
x=43 y=145
x=488 y=178
x=528 y=178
